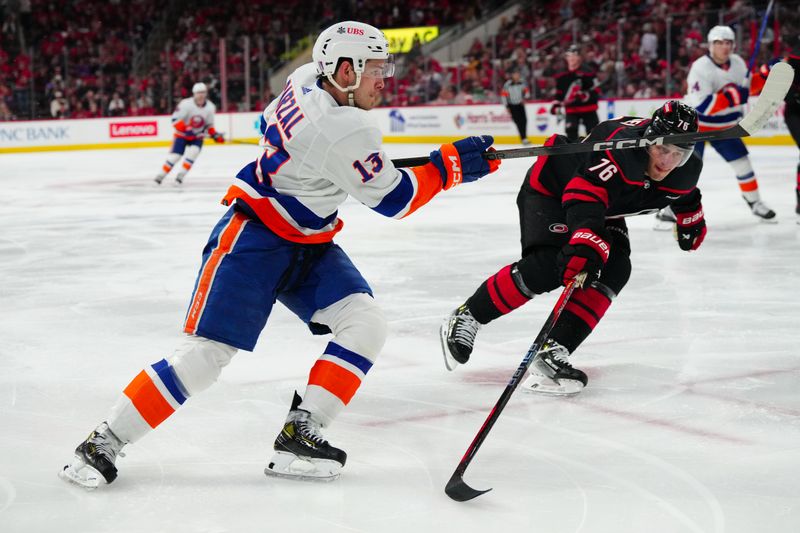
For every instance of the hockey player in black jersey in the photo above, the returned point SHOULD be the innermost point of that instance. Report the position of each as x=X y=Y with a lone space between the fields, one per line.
x=576 y=94
x=572 y=219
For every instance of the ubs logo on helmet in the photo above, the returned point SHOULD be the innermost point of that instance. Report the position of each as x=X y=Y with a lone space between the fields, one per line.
x=350 y=30
x=558 y=228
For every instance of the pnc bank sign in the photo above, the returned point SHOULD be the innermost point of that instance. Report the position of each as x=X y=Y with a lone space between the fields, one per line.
x=12 y=133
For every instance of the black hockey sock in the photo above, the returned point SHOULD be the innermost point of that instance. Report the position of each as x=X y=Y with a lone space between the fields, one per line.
x=497 y=296
x=570 y=331
x=580 y=316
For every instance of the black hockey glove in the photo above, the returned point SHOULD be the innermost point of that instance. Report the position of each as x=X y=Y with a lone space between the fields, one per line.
x=690 y=228
x=587 y=251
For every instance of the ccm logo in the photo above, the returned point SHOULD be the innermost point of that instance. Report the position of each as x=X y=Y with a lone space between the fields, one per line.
x=691 y=219
x=594 y=239
x=133 y=129
x=455 y=170
x=626 y=143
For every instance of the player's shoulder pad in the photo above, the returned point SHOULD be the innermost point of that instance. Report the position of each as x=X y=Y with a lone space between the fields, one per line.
x=702 y=63
x=618 y=128
x=352 y=129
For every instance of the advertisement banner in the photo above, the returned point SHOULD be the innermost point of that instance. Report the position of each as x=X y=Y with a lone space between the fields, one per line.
x=401 y=39
x=420 y=124
x=147 y=128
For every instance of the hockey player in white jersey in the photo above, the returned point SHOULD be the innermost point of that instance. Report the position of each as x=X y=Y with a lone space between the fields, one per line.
x=718 y=87
x=192 y=120
x=275 y=243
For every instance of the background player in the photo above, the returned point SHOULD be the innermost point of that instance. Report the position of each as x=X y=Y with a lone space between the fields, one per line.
x=275 y=244
x=718 y=87
x=572 y=211
x=576 y=94
x=193 y=118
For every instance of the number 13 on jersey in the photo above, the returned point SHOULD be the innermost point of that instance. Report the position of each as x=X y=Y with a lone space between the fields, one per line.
x=375 y=164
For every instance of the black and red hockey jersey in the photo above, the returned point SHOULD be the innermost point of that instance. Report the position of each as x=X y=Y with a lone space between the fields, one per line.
x=576 y=89
x=593 y=186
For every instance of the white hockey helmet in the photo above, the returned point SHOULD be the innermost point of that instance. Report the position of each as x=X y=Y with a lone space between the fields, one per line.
x=352 y=40
x=199 y=87
x=721 y=33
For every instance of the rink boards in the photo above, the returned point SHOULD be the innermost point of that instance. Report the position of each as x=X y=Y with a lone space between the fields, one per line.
x=414 y=124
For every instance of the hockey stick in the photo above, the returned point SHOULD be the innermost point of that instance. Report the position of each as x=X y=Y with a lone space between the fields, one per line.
x=757 y=45
x=236 y=141
x=456 y=488
x=777 y=85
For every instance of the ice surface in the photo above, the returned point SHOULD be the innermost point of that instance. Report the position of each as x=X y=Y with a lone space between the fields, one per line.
x=690 y=422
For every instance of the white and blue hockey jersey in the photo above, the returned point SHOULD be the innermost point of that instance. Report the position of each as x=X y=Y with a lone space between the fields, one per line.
x=717 y=92
x=192 y=121
x=316 y=153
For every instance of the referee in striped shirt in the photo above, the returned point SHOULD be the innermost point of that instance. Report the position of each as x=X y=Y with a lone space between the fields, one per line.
x=514 y=94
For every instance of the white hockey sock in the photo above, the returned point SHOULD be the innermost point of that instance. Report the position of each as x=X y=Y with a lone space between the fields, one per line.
x=748 y=183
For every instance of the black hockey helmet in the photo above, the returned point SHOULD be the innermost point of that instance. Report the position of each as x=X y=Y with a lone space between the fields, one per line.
x=573 y=49
x=674 y=117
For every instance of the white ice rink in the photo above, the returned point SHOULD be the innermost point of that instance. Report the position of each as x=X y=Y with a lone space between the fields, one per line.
x=690 y=422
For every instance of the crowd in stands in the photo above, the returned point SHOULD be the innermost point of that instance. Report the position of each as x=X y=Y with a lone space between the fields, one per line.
x=534 y=41
x=69 y=58
x=75 y=58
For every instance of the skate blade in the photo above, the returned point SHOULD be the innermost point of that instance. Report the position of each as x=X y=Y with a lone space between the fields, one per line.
x=663 y=225
x=81 y=474
x=543 y=385
x=449 y=362
x=289 y=466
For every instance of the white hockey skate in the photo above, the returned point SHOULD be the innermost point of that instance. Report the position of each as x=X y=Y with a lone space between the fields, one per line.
x=761 y=211
x=94 y=459
x=551 y=372
x=301 y=452
x=665 y=220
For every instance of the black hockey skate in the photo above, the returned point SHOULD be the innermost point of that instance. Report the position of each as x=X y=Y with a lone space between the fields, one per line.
x=301 y=452
x=458 y=336
x=551 y=372
x=94 y=459
x=760 y=210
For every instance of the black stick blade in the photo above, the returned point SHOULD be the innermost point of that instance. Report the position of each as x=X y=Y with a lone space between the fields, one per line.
x=460 y=491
